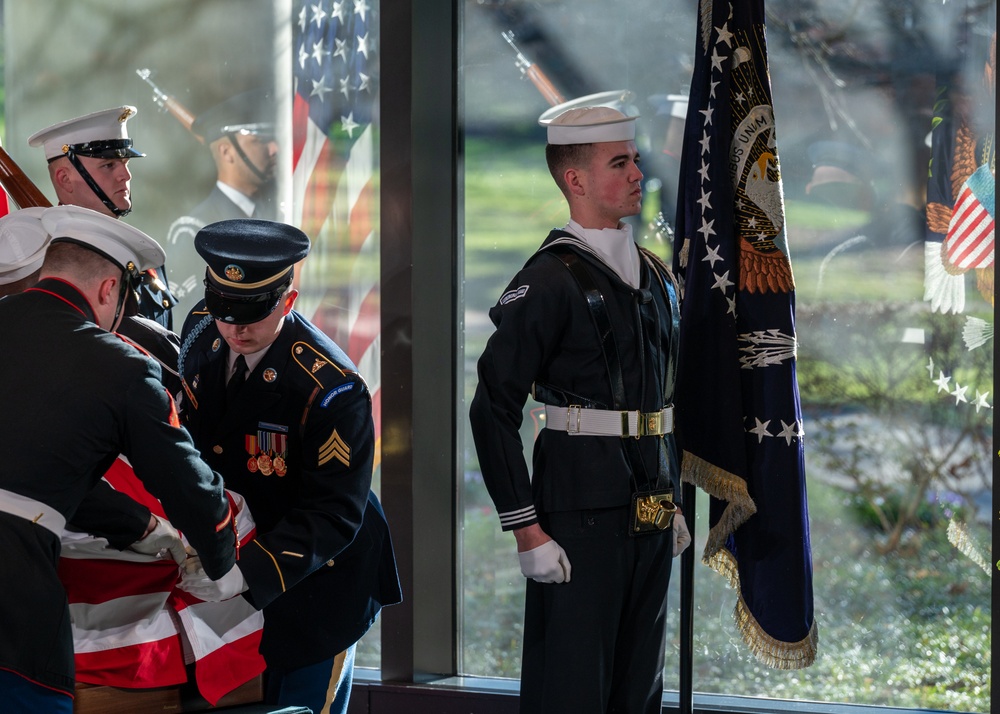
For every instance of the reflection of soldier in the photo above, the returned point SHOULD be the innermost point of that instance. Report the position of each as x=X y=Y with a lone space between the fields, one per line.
x=843 y=177
x=664 y=163
x=245 y=154
x=88 y=165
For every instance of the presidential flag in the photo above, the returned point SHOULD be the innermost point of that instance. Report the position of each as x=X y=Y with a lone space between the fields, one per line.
x=739 y=416
x=334 y=160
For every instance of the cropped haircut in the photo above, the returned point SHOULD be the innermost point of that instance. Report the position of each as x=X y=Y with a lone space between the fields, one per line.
x=66 y=258
x=561 y=157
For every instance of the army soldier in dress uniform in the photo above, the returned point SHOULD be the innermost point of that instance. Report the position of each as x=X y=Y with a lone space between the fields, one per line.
x=279 y=409
x=588 y=327
x=77 y=396
x=240 y=134
x=88 y=165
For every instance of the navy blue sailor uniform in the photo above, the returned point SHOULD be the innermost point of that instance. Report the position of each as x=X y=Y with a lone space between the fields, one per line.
x=547 y=344
x=82 y=395
x=298 y=444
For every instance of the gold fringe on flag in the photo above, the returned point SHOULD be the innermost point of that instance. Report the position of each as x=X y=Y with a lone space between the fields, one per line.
x=726 y=487
x=733 y=490
x=769 y=651
x=958 y=536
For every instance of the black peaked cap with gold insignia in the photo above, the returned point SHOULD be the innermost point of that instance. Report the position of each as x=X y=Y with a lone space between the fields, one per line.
x=250 y=265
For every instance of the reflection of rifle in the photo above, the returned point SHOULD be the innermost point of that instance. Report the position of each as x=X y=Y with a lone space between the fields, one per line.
x=18 y=186
x=531 y=70
x=167 y=102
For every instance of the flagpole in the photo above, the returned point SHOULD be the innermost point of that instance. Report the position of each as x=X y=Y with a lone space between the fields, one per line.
x=686 y=704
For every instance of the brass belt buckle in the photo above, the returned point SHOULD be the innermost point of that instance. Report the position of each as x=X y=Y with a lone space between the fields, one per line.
x=652 y=424
x=652 y=511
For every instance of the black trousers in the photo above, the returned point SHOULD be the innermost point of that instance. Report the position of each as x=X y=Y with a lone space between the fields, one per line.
x=595 y=645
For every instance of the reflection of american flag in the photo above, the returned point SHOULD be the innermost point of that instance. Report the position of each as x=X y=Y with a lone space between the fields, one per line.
x=333 y=160
x=970 y=233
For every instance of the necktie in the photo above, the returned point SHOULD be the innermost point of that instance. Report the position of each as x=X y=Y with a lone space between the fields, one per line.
x=236 y=381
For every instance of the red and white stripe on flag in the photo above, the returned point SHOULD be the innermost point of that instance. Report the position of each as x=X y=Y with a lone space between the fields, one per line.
x=132 y=627
x=970 y=240
x=334 y=156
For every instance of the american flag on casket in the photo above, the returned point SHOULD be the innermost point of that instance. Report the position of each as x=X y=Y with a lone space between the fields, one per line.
x=132 y=627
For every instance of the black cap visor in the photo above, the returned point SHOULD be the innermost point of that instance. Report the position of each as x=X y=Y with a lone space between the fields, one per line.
x=241 y=309
x=110 y=149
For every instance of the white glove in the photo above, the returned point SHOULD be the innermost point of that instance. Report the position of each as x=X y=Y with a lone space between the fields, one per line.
x=682 y=537
x=195 y=581
x=163 y=537
x=547 y=563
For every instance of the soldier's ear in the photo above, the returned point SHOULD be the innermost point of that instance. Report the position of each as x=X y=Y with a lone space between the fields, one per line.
x=290 y=301
x=62 y=180
x=575 y=181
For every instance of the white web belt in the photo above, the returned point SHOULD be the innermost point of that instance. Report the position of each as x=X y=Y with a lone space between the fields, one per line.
x=578 y=421
x=31 y=510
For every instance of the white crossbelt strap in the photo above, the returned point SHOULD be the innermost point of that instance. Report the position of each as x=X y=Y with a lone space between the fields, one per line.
x=578 y=421
x=32 y=510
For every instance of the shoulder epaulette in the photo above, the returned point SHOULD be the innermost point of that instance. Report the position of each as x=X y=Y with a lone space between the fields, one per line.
x=314 y=362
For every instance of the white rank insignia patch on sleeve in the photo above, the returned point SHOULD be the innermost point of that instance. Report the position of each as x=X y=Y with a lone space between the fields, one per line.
x=335 y=448
x=512 y=295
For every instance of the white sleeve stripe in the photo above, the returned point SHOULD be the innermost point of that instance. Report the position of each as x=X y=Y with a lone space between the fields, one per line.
x=519 y=516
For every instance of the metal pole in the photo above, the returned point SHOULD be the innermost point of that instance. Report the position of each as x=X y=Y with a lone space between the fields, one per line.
x=686 y=705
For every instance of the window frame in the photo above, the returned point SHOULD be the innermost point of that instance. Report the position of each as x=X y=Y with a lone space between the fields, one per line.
x=421 y=175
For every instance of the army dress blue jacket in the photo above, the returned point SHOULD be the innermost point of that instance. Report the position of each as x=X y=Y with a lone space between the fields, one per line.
x=298 y=444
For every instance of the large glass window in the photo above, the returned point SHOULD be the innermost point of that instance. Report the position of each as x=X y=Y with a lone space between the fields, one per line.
x=883 y=112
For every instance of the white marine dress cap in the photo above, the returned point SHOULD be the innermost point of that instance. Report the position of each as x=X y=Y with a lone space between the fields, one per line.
x=23 y=241
x=103 y=134
x=117 y=241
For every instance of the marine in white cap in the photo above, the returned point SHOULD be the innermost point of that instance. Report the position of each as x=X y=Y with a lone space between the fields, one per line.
x=588 y=328
x=103 y=256
x=88 y=159
x=23 y=241
x=89 y=166
x=75 y=397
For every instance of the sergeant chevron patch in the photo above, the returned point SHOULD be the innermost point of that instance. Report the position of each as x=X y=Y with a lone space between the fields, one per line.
x=335 y=448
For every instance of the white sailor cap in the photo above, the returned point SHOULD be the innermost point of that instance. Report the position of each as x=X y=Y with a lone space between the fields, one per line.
x=673 y=105
x=23 y=241
x=589 y=125
x=102 y=135
x=126 y=246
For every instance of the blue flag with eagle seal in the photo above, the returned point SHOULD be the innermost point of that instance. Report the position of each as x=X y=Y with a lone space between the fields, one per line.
x=740 y=419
